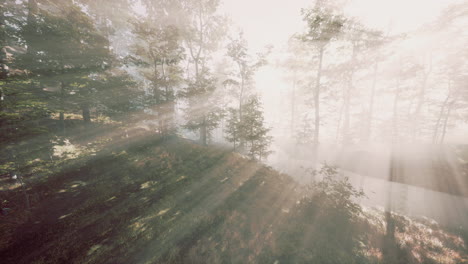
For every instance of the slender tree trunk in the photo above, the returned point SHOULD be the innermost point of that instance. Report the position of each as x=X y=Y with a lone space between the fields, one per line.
x=395 y=116
x=2 y=98
x=444 y=128
x=347 y=114
x=338 y=127
x=3 y=55
x=203 y=129
x=86 y=113
x=25 y=194
x=157 y=95
x=241 y=102
x=435 y=134
x=317 y=106
x=417 y=112
x=389 y=247
x=62 y=107
x=293 y=105
x=420 y=100
x=368 y=133
x=3 y=44
x=203 y=132
x=347 y=100
x=33 y=10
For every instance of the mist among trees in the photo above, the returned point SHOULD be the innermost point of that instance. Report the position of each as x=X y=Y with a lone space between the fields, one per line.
x=161 y=131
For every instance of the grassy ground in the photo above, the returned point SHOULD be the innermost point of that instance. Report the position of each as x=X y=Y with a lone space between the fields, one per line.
x=147 y=199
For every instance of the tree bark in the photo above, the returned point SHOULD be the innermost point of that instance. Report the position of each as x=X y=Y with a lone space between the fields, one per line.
x=347 y=114
x=447 y=116
x=241 y=101
x=317 y=103
x=395 y=116
x=420 y=101
x=203 y=132
x=33 y=10
x=347 y=100
x=86 y=113
x=370 y=117
x=3 y=44
x=439 y=119
x=62 y=107
x=293 y=105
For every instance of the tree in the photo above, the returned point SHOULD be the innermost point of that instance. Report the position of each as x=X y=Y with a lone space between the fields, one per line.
x=296 y=65
x=159 y=52
x=374 y=51
x=323 y=25
x=11 y=19
x=233 y=133
x=251 y=129
x=64 y=47
x=203 y=29
x=237 y=50
x=203 y=112
x=360 y=40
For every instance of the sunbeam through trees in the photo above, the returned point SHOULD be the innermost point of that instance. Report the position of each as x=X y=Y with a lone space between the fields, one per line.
x=234 y=131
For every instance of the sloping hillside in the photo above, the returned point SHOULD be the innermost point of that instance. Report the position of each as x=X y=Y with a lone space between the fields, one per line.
x=167 y=200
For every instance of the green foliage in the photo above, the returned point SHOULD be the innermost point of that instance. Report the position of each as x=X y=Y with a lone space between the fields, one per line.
x=22 y=112
x=232 y=130
x=324 y=24
x=323 y=225
x=158 y=52
x=203 y=110
x=203 y=30
x=250 y=129
x=63 y=43
x=335 y=193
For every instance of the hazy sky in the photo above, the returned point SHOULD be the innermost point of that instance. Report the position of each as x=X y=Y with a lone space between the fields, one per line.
x=273 y=21
x=267 y=22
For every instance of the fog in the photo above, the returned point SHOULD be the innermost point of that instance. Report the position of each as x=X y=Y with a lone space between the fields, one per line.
x=234 y=131
x=402 y=80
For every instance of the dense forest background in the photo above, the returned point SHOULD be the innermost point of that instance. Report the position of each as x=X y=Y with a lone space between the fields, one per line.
x=178 y=70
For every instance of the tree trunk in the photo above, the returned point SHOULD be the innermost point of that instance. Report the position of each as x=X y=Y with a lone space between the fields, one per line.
x=338 y=126
x=2 y=98
x=395 y=115
x=25 y=194
x=347 y=114
x=389 y=246
x=317 y=106
x=435 y=134
x=33 y=10
x=420 y=100
x=368 y=132
x=241 y=101
x=417 y=112
x=444 y=128
x=62 y=108
x=347 y=100
x=62 y=120
x=203 y=132
x=3 y=44
x=86 y=113
x=293 y=105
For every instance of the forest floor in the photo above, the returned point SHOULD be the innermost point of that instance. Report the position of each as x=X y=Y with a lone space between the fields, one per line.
x=147 y=199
